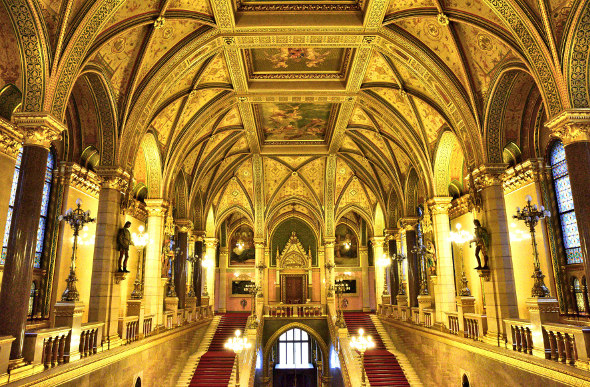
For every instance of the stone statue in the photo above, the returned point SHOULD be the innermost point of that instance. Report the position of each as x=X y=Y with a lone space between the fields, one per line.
x=123 y=243
x=482 y=241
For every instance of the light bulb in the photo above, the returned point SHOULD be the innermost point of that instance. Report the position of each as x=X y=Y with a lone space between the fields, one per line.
x=78 y=202
x=141 y=228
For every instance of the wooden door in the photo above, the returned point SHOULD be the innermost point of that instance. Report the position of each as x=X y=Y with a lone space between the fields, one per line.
x=294 y=289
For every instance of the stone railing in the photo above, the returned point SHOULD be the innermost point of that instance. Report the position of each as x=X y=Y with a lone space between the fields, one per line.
x=415 y=315
x=519 y=335
x=168 y=319
x=349 y=362
x=295 y=310
x=48 y=347
x=179 y=317
x=5 y=345
x=428 y=317
x=475 y=325
x=453 y=322
x=90 y=338
x=148 y=325
x=129 y=329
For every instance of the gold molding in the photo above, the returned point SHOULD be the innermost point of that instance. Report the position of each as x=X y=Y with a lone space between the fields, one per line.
x=10 y=139
x=78 y=177
x=530 y=171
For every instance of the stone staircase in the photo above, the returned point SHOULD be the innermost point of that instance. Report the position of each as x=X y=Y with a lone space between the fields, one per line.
x=193 y=361
x=402 y=359
x=381 y=366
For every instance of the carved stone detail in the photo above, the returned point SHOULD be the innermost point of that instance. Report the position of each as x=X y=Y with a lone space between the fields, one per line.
x=156 y=207
x=439 y=205
x=10 y=139
x=571 y=126
x=114 y=178
x=38 y=129
x=532 y=170
x=76 y=176
x=488 y=175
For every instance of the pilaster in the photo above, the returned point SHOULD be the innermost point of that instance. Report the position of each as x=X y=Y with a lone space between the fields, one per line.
x=210 y=252
x=156 y=209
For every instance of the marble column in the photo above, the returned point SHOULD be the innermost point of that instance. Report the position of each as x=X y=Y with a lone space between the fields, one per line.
x=105 y=288
x=395 y=277
x=378 y=242
x=259 y=275
x=445 y=271
x=222 y=295
x=500 y=291
x=364 y=261
x=184 y=225
x=412 y=263
x=156 y=209
x=38 y=131
x=572 y=127
x=210 y=252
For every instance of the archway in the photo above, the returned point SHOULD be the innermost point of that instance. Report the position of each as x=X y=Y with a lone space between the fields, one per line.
x=323 y=347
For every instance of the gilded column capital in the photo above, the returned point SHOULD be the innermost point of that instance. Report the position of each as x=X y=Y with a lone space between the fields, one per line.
x=391 y=233
x=488 y=175
x=38 y=129
x=378 y=240
x=440 y=205
x=532 y=170
x=184 y=225
x=571 y=125
x=74 y=175
x=10 y=139
x=329 y=241
x=210 y=242
x=156 y=207
x=113 y=178
x=461 y=206
x=408 y=222
x=259 y=243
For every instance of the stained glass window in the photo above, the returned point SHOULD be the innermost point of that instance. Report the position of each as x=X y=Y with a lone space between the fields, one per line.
x=579 y=294
x=565 y=205
x=44 y=207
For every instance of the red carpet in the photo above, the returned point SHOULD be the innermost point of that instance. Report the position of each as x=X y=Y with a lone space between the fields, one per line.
x=381 y=366
x=216 y=364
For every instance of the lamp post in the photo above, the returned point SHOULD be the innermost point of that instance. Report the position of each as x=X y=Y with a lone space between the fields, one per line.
x=459 y=237
x=140 y=241
x=253 y=289
x=385 y=262
x=340 y=287
x=237 y=344
x=531 y=215
x=399 y=258
x=361 y=343
x=171 y=288
x=76 y=218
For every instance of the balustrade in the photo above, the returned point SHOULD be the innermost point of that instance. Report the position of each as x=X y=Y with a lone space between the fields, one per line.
x=428 y=317
x=475 y=325
x=295 y=310
x=129 y=328
x=453 y=321
x=520 y=335
x=567 y=344
x=169 y=319
x=90 y=338
x=49 y=347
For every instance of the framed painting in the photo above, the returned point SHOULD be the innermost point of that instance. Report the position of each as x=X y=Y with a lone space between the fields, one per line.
x=241 y=247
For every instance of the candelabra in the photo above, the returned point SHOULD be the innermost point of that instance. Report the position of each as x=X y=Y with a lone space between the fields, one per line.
x=206 y=264
x=253 y=290
x=237 y=344
x=340 y=287
x=191 y=259
x=385 y=262
x=531 y=215
x=171 y=287
x=399 y=258
x=420 y=250
x=140 y=241
x=459 y=237
x=361 y=343
x=76 y=218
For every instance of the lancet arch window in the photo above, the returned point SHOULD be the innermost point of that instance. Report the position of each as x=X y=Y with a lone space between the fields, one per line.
x=49 y=166
x=294 y=349
x=565 y=204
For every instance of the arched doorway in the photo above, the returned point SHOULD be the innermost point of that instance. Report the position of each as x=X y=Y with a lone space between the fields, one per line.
x=296 y=356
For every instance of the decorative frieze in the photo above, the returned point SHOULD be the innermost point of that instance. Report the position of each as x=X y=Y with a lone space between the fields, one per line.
x=156 y=207
x=184 y=225
x=408 y=223
x=114 y=178
x=572 y=125
x=487 y=175
x=75 y=176
x=460 y=206
x=137 y=210
x=532 y=170
x=439 y=205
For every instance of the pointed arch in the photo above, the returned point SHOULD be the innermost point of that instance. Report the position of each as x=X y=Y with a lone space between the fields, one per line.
x=153 y=163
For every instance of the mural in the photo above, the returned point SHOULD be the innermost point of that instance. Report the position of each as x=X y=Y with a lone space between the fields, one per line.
x=293 y=121
x=346 y=247
x=305 y=62
x=241 y=247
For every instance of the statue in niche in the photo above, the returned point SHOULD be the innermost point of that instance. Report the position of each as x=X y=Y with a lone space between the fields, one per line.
x=482 y=242
x=123 y=243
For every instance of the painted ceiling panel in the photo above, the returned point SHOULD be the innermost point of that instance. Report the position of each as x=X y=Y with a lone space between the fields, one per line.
x=400 y=103
x=201 y=6
x=431 y=120
x=379 y=70
x=244 y=173
x=274 y=174
x=162 y=124
x=314 y=173
x=132 y=8
x=343 y=174
x=402 y=5
x=476 y=7
x=294 y=187
x=216 y=71
x=359 y=117
x=294 y=162
x=194 y=103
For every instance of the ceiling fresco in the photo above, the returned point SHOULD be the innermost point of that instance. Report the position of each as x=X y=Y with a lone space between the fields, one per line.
x=297 y=63
x=295 y=83
x=294 y=122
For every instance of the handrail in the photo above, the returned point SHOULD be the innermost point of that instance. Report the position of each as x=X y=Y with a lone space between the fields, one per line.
x=294 y=310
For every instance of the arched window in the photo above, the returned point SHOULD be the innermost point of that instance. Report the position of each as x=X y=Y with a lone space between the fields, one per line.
x=294 y=349
x=565 y=205
x=44 y=207
x=578 y=294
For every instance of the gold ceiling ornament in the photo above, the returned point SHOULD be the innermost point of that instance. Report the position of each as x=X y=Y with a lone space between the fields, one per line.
x=159 y=22
x=442 y=19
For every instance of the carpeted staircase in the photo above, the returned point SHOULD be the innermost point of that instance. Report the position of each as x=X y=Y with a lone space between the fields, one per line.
x=215 y=366
x=381 y=366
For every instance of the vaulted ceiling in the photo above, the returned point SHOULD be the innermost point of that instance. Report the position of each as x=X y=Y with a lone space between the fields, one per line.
x=374 y=82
